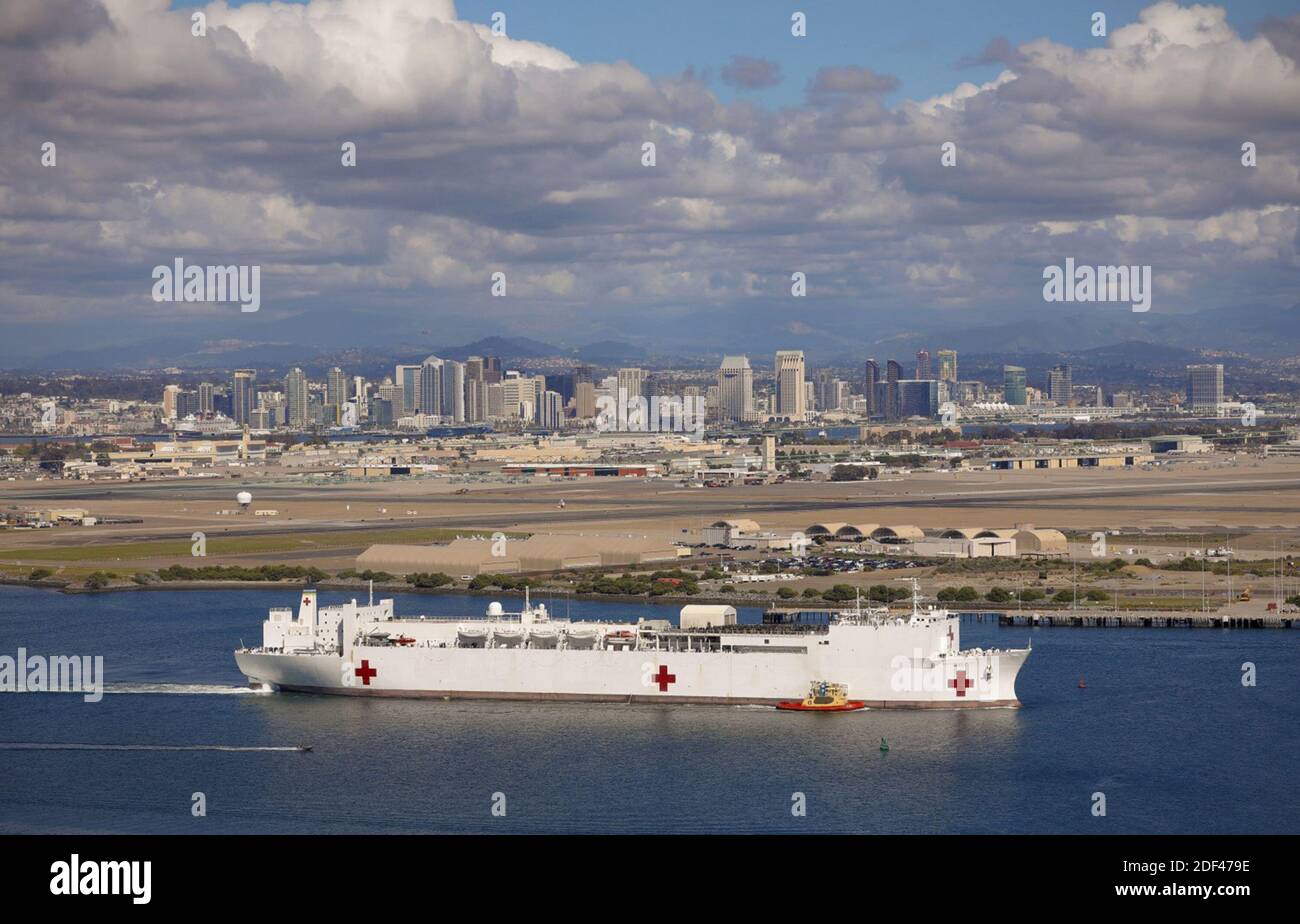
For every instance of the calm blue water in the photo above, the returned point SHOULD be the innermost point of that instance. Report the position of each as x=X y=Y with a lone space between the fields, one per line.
x=1165 y=729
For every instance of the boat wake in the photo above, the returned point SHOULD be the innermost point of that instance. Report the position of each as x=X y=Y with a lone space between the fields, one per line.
x=185 y=688
x=75 y=746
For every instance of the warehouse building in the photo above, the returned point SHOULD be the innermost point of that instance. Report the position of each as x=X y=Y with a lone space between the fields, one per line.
x=554 y=552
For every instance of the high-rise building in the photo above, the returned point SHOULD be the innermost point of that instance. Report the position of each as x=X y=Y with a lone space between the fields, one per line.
x=870 y=378
x=947 y=365
x=584 y=400
x=169 y=402
x=735 y=389
x=336 y=394
x=453 y=391
x=295 y=396
x=1060 y=384
x=791 y=394
x=206 y=392
x=1014 y=389
x=242 y=392
x=551 y=410
x=632 y=381
x=1205 y=385
x=923 y=364
x=492 y=369
x=893 y=374
x=918 y=397
x=431 y=386
x=407 y=380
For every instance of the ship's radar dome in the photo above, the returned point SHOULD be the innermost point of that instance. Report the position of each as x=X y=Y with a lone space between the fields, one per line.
x=494 y=609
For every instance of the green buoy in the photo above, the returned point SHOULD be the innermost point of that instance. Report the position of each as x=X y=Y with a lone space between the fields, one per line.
x=884 y=746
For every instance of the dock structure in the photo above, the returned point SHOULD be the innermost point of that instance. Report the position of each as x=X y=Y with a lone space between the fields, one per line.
x=1140 y=619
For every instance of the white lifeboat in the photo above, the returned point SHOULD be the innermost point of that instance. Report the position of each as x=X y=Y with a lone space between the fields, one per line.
x=543 y=637
x=582 y=637
x=508 y=636
x=471 y=635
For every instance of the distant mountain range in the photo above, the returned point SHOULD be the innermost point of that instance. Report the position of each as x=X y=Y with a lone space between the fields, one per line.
x=1122 y=337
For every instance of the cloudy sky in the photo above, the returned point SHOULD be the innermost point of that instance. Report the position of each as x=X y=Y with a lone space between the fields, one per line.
x=522 y=154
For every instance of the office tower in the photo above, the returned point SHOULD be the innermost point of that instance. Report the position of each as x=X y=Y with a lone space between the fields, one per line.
x=551 y=410
x=206 y=392
x=1205 y=385
x=336 y=393
x=390 y=394
x=824 y=394
x=893 y=374
x=918 y=397
x=735 y=389
x=187 y=403
x=870 y=378
x=492 y=369
x=431 y=386
x=295 y=396
x=632 y=382
x=453 y=391
x=1014 y=389
x=947 y=365
x=1060 y=387
x=242 y=392
x=923 y=364
x=584 y=400
x=791 y=395
x=169 y=401
x=407 y=380
x=496 y=399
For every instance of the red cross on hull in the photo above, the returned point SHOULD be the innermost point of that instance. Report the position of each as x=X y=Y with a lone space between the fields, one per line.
x=663 y=678
x=961 y=683
x=365 y=672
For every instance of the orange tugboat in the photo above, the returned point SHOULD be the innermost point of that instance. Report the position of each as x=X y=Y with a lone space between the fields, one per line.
x=823 y=697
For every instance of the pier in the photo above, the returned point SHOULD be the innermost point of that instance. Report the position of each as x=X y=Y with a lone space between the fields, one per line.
x=1138 y=619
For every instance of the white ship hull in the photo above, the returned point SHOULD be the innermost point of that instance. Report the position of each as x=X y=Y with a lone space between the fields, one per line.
x=912 y=662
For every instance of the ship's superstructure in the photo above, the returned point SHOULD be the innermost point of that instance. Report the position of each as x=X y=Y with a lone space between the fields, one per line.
x=885 y=659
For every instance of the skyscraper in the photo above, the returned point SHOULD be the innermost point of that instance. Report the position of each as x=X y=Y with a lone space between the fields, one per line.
x=431 y=386
x=1205 y=385
x=336 y=393
x=631 y=381
x=243 y=390
x=893 y=373
x=1014 y=386
x=295 y=396
x=453 y=391
x=870 y=377
x=407 y=380
x=1060 y=384
x=790 y=390
x=947 y=365
x=923 y=364
x=206 y=393
x=735 y=389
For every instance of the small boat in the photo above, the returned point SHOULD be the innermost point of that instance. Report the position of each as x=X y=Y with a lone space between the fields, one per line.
x=823 y=697
x=884 y=746
x=401 y=640
x=508 y=636
x=1083 y=684
x=581 y=637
